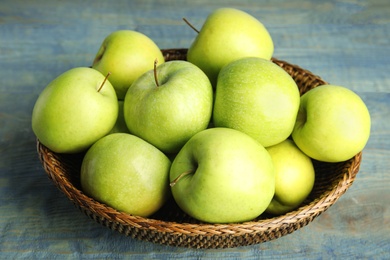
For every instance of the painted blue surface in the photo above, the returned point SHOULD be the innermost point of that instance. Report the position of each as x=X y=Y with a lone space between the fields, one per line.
x=345 y=42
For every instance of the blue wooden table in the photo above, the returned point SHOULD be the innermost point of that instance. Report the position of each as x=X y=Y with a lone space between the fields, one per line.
x=345 y=42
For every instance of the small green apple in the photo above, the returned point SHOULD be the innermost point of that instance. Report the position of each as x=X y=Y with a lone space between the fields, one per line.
x=168 y=112
x=120 y=124
x=126 y=173
x=294 y=177
x=333 y=124
x=75 y=110
x=222 y=175
x=127 y=55
x=227 y=35
x=257 y=97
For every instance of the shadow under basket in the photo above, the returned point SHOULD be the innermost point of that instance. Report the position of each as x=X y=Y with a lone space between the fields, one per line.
x=171 y=226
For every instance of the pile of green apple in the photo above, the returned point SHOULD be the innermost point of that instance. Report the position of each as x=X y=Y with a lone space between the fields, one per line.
x=225 y=132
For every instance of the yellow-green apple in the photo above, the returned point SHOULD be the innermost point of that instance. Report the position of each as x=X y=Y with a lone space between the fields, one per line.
x=333 y=123
x=120 y=124
x=222 y=175
x=227 y=35
x=126 y=54
x=75 y=110
x=294 y=177
x=127 y=173
x=168 y=105
x=257 y=97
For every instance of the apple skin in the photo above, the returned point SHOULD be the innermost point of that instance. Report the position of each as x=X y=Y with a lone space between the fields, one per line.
x=127 y=55
x=333 y=124
x=230 y=177
x=257 y=97
x=227 y=35
x=120 y=124
x=168 y=115
x=294 y=177
x=126 y=173
x=70 y=114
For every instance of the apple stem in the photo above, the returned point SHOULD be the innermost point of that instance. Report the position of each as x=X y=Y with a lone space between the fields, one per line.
x=190 y=25
x=173 y=183
x=104 y=81
x=155 y=72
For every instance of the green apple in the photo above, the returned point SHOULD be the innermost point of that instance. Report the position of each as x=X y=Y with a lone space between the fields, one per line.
x=257 y=97
x=294 y=177
x=127 y=55
x=222 y=175
x=120 y=124
x=227 y=35
x=126 y=173
x=333 y=124
x=170 y=111
x=75 y=110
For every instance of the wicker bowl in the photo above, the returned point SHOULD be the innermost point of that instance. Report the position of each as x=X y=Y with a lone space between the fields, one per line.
x=170 y=226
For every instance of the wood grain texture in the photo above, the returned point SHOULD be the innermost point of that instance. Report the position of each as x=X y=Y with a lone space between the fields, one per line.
x=345 y=42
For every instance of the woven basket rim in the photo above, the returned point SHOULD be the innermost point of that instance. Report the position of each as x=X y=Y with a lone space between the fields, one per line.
x=46 y=156
x=210 y=235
